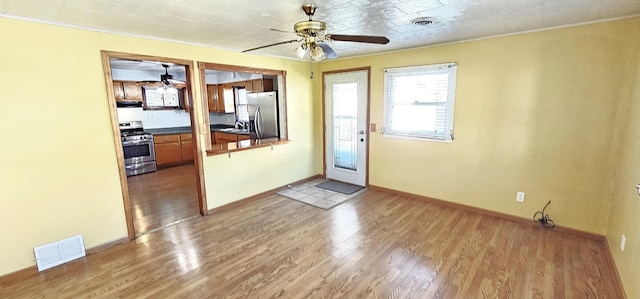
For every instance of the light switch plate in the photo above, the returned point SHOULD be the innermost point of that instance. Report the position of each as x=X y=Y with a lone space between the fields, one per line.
x=520 y=196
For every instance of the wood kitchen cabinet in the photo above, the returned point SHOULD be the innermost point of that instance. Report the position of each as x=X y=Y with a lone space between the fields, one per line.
x=173 y=149
x=220 y=98
x=186 y=145
x=225 y=99
x=212 y=97
x=257 y=85
x=168 y=150
x=185 y=99
x=221 y=137
x=262 y=85
x=249 y=85
x=127 y=91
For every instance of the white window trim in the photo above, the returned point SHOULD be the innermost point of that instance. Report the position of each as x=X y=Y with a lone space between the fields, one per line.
x=448 y=138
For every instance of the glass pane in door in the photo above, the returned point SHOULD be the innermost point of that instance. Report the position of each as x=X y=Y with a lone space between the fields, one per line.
x=345 y=125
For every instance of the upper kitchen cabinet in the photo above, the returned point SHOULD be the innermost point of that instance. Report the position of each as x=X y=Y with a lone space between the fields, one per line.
x=220 y=98
x=262 y=85
x=225 y=99
x=126 y=91
x=249 y=85
x=212 y=97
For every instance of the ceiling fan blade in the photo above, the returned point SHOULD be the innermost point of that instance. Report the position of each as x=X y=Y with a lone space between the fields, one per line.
x=331 y=54
x=278 y=30
x=359 y=38
x=271 y=45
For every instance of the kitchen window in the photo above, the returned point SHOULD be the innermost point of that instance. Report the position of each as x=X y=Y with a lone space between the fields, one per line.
x=419 y=102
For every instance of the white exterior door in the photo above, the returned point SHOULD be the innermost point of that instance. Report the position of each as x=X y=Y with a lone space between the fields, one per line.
x=346 y=99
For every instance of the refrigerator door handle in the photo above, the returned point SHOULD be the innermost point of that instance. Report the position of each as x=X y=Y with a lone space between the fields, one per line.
x=257 y=120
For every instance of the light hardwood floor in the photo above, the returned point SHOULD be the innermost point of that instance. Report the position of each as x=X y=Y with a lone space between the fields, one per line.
x=163 y=197
x=374 y=246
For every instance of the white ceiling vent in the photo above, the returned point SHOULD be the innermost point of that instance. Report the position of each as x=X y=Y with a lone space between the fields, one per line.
x=424 y=21
x=59 y=252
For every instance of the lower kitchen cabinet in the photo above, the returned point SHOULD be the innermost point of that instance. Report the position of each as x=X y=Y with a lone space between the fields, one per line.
x=221 y=137
x=173 y=149
x=186 y=145
x=168 y=154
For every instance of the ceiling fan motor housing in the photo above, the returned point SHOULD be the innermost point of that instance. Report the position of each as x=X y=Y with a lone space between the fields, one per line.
x=309 y=27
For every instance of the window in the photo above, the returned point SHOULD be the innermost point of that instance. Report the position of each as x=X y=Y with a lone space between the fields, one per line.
x=419 y=102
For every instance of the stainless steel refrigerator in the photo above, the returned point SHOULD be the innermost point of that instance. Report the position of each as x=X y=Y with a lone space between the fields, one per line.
x=262 y=109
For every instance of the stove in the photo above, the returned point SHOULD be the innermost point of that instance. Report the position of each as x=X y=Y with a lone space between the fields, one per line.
x=138 y=148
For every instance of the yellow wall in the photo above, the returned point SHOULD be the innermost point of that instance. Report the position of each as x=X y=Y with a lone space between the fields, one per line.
x=535 y=112
x=625 y=205
x=58 y=172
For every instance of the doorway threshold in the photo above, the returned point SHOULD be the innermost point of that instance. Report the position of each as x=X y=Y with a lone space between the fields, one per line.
x=168 y=225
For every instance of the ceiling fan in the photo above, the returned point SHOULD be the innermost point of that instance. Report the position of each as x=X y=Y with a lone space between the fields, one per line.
x=166 y=78
x=313 y=37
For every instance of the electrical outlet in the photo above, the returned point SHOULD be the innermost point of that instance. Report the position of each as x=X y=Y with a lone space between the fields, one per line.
x=623 y=240
x=520 y=196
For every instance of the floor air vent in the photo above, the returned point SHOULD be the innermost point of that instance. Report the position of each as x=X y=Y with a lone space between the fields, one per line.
x=59 y=252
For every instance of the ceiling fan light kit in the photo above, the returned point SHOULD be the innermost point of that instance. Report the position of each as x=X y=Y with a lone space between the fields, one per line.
x=301 y=51
x=316 y=53
x=314 y=36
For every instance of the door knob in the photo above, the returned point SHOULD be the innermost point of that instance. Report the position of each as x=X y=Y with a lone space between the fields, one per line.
x=361 y=132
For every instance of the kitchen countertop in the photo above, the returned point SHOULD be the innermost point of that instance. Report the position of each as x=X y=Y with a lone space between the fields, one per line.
x=166 y=131
x=181 y=130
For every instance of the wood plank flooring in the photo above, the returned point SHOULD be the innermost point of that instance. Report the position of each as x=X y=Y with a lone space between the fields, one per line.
x=376 y=245
x=163 y=197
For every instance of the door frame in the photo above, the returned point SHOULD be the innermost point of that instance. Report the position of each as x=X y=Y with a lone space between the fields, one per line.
x=195 y=129
x=324 y=121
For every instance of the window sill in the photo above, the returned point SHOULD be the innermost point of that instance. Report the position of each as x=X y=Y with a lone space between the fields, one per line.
x=243 y=145
x=417 y=138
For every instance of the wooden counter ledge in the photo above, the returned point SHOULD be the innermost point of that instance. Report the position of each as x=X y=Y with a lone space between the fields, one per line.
x=243 y=145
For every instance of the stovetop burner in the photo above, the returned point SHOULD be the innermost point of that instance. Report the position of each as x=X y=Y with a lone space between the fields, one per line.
x=132 y=130
x=133 y=133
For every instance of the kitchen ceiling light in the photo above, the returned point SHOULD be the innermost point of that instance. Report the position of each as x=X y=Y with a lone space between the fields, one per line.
x=316 y=53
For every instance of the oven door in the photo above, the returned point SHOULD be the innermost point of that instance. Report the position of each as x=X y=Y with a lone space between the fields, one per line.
x=138 y=151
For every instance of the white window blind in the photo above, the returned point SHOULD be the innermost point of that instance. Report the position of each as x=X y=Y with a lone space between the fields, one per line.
x=419 y=102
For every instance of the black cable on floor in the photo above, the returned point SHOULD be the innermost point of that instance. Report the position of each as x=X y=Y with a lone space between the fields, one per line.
x=544 y=219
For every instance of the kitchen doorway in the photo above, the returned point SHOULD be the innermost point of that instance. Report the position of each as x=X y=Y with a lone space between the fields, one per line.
x=155 y=198
x=346 y=108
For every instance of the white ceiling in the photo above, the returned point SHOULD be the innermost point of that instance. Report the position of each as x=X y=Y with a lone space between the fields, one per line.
x=240 y=25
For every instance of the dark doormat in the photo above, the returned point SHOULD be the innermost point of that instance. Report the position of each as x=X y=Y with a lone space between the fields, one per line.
x=340 y=187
